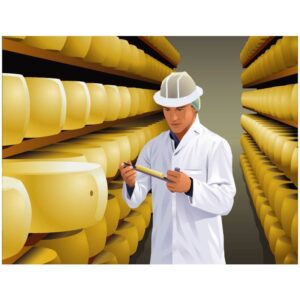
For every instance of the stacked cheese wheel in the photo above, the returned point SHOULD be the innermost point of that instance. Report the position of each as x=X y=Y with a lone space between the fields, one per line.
x=110 y=52
x=281 y=56
x=270 y=158
x=38 y=107
x=275 y=200
x=62 y=191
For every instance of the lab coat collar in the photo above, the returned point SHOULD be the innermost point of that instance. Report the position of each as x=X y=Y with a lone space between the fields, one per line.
x=193 y=131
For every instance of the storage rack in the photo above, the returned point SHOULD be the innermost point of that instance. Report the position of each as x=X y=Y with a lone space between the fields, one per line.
x=46 y=63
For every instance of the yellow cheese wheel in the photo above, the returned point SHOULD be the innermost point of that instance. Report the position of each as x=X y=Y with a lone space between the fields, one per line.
x=133 y=139
x=47 y=107
x=113 y=103
x=294 y=100
x=115 y=188
x=275 y=232
x=134 y=59
x=283 y=246
x=259 y=202
x=269 y=220
x=76 y=46
x=39 y=255
x=125 y=56
x=294 y=167
x=112 y=214
x=294 y=232
x=130 y=232
x=145 y=209
x=123 y=142
x=281 y=193
x=105 y=50
x=119 y=246
x=78 y=104
x=48 y=155
x=64 y=195
x=46 y=42
x=72 y=247
x=92 y=154
x=291 y=258
x=288 y=212
x=289 y=48
x=111 y=149
x=99 y=103
x=15 y=108
x=148 y=200
x=135 y=218
x=286 y=156
x=264 y=210
x=125 y=102
x=96 y=236
x=16 y=216
x=105 y=257
x=135 y=101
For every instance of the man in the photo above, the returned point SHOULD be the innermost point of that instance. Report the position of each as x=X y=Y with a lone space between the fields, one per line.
x=187 y=224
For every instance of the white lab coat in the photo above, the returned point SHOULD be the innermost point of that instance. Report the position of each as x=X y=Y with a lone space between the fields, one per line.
x=187 y=229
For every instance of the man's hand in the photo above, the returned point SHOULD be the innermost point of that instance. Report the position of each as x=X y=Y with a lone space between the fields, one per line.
x=128 y=174
x=181 y=182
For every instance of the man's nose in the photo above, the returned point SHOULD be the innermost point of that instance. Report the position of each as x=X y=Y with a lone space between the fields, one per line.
x=174 y=116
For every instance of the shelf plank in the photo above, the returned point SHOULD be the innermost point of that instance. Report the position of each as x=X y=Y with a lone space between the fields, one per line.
x=290 y=123
x=267 y=44
x=35 y=143
x=279 y=75
x=21 y=48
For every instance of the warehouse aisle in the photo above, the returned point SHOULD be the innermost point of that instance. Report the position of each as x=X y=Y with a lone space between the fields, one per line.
x=213 y=62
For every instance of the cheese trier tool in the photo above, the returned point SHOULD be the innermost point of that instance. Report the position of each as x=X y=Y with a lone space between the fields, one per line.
x=148 y=171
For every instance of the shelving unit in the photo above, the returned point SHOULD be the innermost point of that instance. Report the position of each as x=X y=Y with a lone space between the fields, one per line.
x=270 y=148
x=30 y=61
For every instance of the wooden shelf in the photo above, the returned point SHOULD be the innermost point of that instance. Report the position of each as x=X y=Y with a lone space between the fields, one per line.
x=35 y=143
x=55 y=56
x=284 y=74
x=290 y=123
x=267 y=44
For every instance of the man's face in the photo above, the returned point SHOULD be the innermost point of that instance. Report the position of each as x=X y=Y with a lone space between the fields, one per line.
x=179 y=119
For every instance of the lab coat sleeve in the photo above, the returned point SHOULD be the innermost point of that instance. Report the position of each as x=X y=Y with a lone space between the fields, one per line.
x=217 y=193
x=143 y=181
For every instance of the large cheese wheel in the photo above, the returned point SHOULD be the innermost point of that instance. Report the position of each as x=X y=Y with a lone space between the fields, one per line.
x=123 y=142
x=112 y=152
x=269 y=220
x=105 y=50
x=115 y=188
x=99 y=103
x=145 y=209
x=96 y=236
x=119 y=246
x=294 y=167
x=16 y=216
x=72 y=247
x=64 y=195
x=135 y=218
x=289 y=48
x=288 y=212
x=47 y=107
x=294 y=232
x=291 y=258
x=113 y=103
x=78 y=104
x=39 y=255
x=282 y=192
x=125 y=102
x=286 y=156
x=294 y=101
x=133 y=139
x=130 y=232
x=105 y=257
x=48 y=155
x=15 y=108
x=275 y=232
x=76 y=46
x=134 y=59
x=283 y=247
x=112 y=214
x=46 y=42
x=125 y=56
x=92 y=154
x=135 y=101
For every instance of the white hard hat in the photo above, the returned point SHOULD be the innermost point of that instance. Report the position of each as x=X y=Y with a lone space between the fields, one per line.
x=177 y=89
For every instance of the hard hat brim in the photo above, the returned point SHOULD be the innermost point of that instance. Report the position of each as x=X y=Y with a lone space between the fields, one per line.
x=177 y=102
